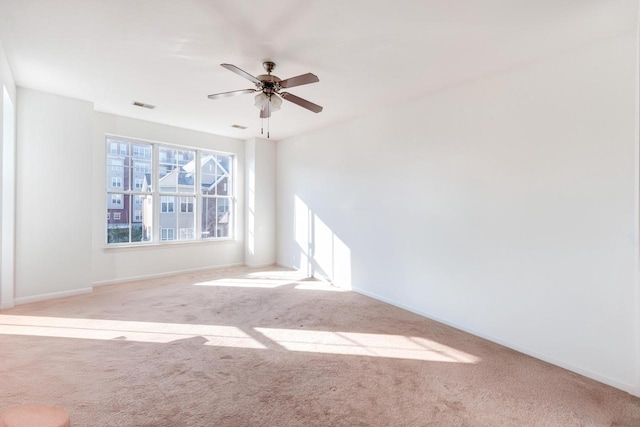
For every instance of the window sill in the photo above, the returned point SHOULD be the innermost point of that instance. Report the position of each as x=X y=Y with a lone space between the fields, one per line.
x=170 y=244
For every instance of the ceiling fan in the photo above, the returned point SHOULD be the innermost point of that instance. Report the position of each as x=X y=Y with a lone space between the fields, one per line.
x=269 y=87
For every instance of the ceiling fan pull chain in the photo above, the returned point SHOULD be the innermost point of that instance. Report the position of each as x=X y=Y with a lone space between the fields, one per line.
x=261 y=126
x=268 y=119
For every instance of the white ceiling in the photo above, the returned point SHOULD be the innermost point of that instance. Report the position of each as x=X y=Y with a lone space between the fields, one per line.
x=367 y=53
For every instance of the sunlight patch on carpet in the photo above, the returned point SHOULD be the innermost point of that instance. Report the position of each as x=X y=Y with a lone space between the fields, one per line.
x=361 y=344
x=247 y=283
x=270 y=283
x=318 y=286
x=120 y=330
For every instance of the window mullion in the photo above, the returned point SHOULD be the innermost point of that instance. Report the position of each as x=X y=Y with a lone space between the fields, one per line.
x=155 y=179
x=197 y=229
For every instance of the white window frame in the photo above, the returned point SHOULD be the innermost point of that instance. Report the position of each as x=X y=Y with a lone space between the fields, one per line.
x=153 y=164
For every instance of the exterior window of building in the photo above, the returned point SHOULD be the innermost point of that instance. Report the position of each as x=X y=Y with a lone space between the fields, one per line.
x=117 y=165
x=186 y=204
x=116 y=216
x=186 y=234
x=167 y=193
x=166 y=204
x=166 y=233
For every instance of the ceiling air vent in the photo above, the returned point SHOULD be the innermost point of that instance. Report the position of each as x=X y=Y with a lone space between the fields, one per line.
x=238 y=126
x=143 y=105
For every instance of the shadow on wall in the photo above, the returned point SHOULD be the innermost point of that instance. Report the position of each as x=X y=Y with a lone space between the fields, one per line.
x=318 y=250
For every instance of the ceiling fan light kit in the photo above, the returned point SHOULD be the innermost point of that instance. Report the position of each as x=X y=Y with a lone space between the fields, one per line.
x=269 y=87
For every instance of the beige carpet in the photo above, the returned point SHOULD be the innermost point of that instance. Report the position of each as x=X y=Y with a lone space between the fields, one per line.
x=243 y=347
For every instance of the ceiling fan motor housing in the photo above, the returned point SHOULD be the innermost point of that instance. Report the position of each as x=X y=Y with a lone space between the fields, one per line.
x=269 y=83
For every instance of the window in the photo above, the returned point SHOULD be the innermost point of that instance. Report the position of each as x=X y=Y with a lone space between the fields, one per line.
x=186 y=204
x=142 y=167
x=166 y=204
x=117 y=165
x=167 y=193
x=166 y=233
x=116 y=200
x=186 y=234
x=116 y=215
x=141 y=151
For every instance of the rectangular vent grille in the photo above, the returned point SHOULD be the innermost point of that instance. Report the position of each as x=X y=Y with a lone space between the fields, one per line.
x=238 y=126
x=143 y=105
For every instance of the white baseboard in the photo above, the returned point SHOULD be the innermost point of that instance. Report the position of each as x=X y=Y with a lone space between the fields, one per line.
x=270 y=264
x=52 y=295
x=6 y=305
x=629 y=388
x=158 y=275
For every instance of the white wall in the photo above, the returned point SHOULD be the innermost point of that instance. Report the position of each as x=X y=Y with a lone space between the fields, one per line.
x=505 y=207
x=7 y=182
x=53 y=195
x=260 y=193
x=110 y=265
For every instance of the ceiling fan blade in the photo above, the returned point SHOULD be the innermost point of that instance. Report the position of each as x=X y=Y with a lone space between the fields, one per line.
x=232 y=93
x=300 y=80
x=241 y=73
x=301 y=102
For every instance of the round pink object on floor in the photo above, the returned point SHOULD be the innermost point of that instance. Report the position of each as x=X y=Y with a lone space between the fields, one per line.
x=34 y=415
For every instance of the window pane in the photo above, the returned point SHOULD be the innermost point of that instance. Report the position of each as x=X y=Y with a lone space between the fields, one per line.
x=223 y=218
x=215 y=217
x=128 y=218
x=176 y=170
x=168 y=217
x=224 y=175
x=186 y=218
x=216 y=174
